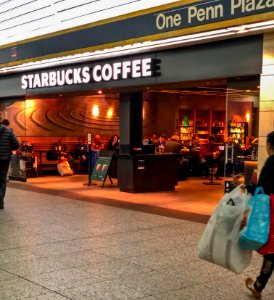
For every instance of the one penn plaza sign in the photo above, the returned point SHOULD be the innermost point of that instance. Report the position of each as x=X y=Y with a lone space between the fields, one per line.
x=206 y=12
x=119 y=70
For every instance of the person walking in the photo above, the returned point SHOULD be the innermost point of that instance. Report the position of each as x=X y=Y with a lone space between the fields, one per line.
x=8 y=143
x=266 y=180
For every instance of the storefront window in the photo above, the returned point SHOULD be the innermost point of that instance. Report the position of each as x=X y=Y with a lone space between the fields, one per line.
x=14 y=110
x=242 y=131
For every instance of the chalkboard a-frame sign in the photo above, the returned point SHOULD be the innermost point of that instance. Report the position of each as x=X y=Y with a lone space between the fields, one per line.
x=100 y=170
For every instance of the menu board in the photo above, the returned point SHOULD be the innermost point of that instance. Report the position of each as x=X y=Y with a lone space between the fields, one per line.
x=100 y=170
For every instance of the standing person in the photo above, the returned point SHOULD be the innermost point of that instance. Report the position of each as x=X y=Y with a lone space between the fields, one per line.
x=266 y=180
x=113 y=143
x=8 y=143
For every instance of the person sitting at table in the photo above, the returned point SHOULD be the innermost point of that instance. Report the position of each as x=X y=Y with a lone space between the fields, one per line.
x=81 y=153
x=61 y=150
x=160 y=144
x=195 y=142
x=97 y=144
x=174 y=145
x=81 y=146
x=153 y=139
x=210 y=157
x=113 y=143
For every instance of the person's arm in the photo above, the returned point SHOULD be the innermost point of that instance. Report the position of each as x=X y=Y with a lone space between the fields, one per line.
x=266 y=179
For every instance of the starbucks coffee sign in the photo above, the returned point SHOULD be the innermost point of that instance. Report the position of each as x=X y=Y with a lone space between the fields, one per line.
x=120 y=70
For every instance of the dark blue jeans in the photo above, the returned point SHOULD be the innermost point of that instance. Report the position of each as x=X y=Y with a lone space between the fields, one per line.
x=266 y=272
x=4 y=167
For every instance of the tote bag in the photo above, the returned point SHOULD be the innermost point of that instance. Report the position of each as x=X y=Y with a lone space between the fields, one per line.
x=268 y=248
x=219 y=241
x=64 y=169
x=255 y=222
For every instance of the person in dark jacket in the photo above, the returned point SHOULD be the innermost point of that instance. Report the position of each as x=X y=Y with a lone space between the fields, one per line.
x=8 y=143
x=174 y=145
x=266 y=180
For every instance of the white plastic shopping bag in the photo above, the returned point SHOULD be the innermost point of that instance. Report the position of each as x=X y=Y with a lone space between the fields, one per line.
x=219 y=241
x=64 y=169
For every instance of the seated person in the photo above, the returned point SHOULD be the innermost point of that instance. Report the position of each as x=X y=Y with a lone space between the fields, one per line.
x=174 y=145
x=60 y=146
x=97 y=144
x=210 y=156
x=81 y=153
x=195 y=142
x=160 y=144
x=81 y=146
x=153 y=139
x=62 y=152
x=113 y=143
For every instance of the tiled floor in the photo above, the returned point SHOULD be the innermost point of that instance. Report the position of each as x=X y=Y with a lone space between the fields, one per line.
x=191 y=196
x=54 y=246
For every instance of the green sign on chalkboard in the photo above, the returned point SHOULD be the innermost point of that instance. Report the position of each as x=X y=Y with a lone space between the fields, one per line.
x=100 y=170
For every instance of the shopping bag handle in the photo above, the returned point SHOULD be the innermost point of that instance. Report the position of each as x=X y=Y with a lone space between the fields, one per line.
x=259 y=190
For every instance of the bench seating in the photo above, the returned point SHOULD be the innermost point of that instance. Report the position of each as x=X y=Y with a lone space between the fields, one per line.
x=43 y=144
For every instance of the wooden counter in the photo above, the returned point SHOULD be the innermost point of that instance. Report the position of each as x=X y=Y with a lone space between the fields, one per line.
x=147 y=172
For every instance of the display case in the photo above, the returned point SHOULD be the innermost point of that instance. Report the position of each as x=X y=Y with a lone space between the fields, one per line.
x=185 y=125
x=218 y=125
x=202 y=124
x=238 y=131
x=186 y=133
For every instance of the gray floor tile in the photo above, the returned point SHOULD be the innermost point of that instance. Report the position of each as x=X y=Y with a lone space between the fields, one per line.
x=47 y=250
x=132 y=236
x=233 y=286
x=32 y=267
x=155 y=282
x=115 y=269
x=19 y=289
x=48 y=296
x=6 y=276
x=121 y=251
x=94 y=243
x=65 y=279
x=104 y=291
x=13 y=255
x=157 y=244
x=160 y=260
x=147 y=298
x=195 y=292
x=24 y=241
x=81 y=258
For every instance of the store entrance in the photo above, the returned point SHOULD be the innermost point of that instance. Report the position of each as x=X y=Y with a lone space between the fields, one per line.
x=224 y=113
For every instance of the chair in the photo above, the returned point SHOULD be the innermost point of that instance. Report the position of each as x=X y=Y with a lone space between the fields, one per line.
x=212 y=166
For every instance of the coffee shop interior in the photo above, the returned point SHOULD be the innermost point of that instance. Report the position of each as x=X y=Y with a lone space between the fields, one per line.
x=191 y=114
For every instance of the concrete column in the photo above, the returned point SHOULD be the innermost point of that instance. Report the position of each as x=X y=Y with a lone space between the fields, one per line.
x=266 y=108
